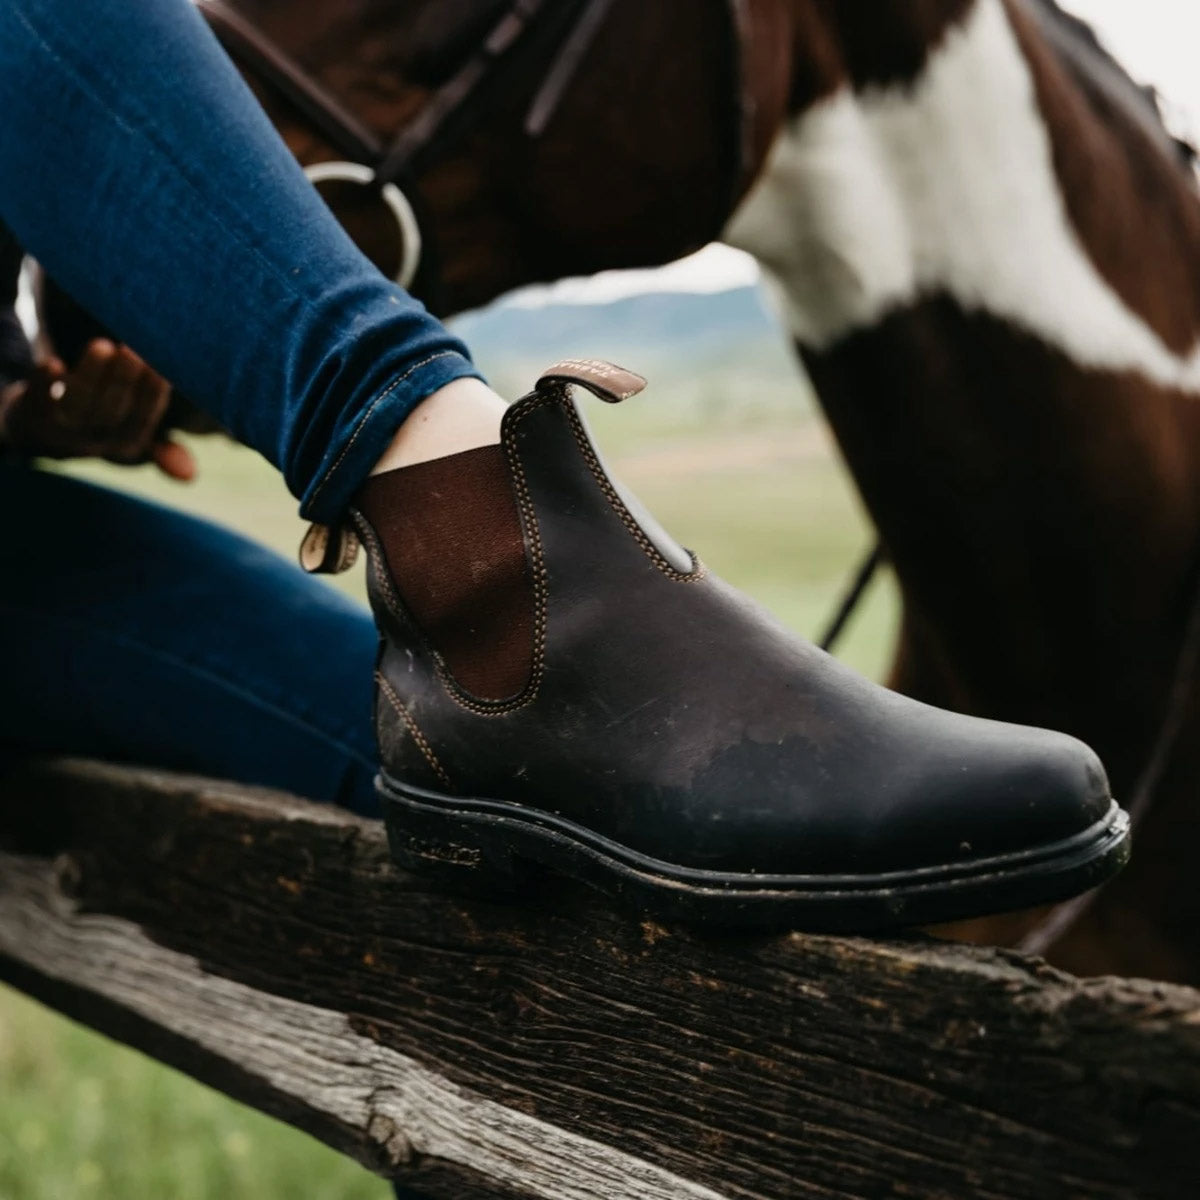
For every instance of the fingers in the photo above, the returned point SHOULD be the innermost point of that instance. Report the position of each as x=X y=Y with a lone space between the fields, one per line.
x=116 y=401
x=112 y=405
x=89 y=371
x=115 y=404
x=52 y=367
x=144 y=399
x=46 y=382
x=101 y=393
x=30 y=413
x=11 y=397
x=79 y=406
x=174 y=460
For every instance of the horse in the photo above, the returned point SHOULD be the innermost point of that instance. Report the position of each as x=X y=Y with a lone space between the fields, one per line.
x=987 y=248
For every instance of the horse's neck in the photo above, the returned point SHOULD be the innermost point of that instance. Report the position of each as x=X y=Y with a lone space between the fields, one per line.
x=992 y=269
x=951 y=179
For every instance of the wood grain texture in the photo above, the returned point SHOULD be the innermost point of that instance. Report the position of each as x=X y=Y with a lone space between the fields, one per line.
x=479 y=1049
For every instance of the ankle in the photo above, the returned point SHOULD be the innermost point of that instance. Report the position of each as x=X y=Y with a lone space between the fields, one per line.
x=463 y=415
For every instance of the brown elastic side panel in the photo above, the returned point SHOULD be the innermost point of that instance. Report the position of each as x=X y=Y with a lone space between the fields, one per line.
x=452 y=537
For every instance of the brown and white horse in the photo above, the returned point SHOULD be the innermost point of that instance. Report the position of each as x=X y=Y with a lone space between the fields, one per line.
x=988 y=251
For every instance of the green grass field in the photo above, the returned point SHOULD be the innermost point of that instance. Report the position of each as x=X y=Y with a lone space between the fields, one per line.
x=756 y=490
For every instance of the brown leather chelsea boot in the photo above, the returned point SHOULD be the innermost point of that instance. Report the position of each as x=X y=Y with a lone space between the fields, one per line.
x=561 y=684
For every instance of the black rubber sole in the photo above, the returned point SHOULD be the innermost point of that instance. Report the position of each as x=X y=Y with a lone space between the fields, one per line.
x=489 y=846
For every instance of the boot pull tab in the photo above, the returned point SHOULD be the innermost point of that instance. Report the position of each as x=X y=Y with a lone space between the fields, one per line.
x=606 y=380
x=329 y=550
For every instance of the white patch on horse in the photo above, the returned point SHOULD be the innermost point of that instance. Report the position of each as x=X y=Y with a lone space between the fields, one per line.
x=946 y=185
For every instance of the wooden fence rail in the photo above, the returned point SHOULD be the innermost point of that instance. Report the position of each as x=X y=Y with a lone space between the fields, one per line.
x=476 y=1048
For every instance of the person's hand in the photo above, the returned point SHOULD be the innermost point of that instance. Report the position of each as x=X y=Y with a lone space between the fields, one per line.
x=112 y=406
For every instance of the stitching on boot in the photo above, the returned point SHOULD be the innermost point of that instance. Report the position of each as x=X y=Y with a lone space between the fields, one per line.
x=462 y=699
x=473 y=704
x=541 y=592
x=699 y=570
x=417 y=736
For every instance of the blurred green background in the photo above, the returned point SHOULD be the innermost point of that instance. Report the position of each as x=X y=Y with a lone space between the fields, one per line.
x=725 y=448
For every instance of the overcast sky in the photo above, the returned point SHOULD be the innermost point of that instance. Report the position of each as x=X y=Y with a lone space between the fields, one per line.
x=1158 y=41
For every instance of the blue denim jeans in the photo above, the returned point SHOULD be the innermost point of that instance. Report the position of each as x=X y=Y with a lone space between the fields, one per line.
x=138 y=168
x=138 y=634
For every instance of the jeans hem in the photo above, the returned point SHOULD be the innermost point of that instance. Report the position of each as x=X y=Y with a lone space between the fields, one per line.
x=333 y=491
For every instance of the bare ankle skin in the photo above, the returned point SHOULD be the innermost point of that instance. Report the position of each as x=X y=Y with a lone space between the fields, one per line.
x=461 y=416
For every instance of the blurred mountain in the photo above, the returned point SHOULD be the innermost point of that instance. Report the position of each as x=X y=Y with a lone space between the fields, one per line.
x=725 y=348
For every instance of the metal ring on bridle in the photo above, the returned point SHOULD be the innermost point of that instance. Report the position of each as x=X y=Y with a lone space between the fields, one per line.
x=393 y=197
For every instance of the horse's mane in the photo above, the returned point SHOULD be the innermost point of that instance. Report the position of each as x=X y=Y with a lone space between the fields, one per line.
x=1144 y=97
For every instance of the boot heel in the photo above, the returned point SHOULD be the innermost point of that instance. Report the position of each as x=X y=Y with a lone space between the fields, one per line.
x=461 y=863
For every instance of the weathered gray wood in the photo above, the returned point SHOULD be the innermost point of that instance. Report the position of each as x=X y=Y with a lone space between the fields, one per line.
x=482 y=1049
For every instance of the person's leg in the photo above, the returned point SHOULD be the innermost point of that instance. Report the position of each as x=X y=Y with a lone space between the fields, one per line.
x=139 y=169
x=134 y=633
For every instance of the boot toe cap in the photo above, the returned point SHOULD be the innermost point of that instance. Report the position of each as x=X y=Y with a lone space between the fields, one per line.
x=989 y=791
x=971 y=791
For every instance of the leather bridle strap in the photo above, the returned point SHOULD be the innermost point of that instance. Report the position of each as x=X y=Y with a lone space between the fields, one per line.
x=264 y=60
x=558 y=78
x=345 y=132
x=452 y=101
x=454 y=97
x=368 y=161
